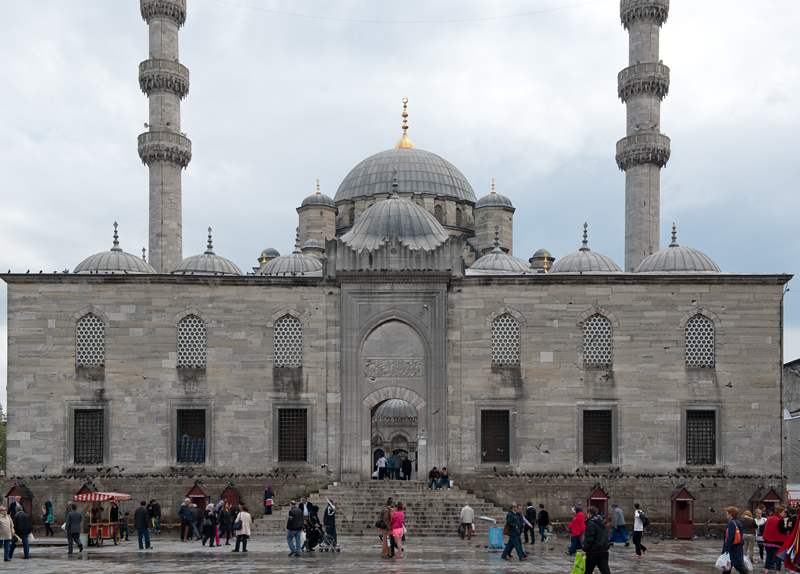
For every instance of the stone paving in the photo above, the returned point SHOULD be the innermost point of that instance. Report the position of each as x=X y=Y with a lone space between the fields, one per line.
x=423 y=555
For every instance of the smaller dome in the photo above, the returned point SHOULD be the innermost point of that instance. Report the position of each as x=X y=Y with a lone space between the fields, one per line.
x=318 y=199
x=499 y=263
x=113 y=261
x=677 y=259
x=395 y=409
x=542 y=253
x=270 y=252
x=493 y=199
x=207 y=263
x=585 y=261
x=312 y=244
x=293 y=264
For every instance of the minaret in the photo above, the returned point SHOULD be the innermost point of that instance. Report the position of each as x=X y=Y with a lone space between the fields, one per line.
x=645 y=150
x=164 y=149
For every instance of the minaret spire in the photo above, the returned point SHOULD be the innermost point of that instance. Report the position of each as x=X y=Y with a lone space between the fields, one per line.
x=644 y=150
x=164 y=149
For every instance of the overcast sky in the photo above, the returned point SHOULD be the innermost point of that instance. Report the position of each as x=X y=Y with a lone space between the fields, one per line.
x=283 y=93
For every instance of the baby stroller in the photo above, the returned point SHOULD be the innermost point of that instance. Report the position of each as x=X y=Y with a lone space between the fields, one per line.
x=327 y=543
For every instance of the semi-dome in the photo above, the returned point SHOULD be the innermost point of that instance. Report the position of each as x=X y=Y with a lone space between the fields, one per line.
x=113 y=261
x=318 y=199
x=585 y=261
x=677 y=259
x=294 y=264
x=493 y=199
x=498 y=263
x=395 y=410
x=312 y=243
x=413 y=226
x=207 y=263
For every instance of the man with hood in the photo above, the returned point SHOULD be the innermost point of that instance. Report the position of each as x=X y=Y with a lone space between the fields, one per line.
x=595 y=543
x=576 y=529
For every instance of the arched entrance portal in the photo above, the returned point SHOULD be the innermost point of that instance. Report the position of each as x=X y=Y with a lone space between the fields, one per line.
x=394 y=431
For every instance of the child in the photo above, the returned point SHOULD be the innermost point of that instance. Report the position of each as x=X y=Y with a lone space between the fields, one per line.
x=304 y=535
x=123 y=526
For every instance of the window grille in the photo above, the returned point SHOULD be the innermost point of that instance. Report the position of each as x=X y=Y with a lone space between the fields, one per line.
x=597 y=436
x=288 y=342
x=700 y=342
x=191 y=435
x=438 y=213
x=701 y=437
x=495 y=440
x=351 y=216
x=458 y=217
x=89 y=436
x=597 y=341
x=90 y=341
x=292 y=434
x=505 y=341
x=191 y=342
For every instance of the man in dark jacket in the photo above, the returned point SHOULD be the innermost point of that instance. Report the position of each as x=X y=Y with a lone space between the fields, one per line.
x=185 y=514
x=73 y=527
x=530 y=516
x=154 y=509
x=514 y=525
x=141 y=521
x=294 y=524
x=197 y=520
x=22 y=528
x=543 y=521
x=595 y=543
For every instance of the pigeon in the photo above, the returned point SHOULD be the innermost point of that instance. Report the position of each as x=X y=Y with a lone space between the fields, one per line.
x=711 y=510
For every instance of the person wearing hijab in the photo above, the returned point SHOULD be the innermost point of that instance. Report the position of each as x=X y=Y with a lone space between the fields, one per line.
x=269 y=499
x=209 y=525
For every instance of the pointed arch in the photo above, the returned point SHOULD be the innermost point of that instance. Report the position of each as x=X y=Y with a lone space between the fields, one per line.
x=393 y=392
x=597 y=310
x=506 y=310
x=89 y=310
x=698 y=310
x=191 y=311
x=286 y=311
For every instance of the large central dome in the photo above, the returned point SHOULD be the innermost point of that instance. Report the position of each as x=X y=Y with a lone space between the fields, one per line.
x=418 y=171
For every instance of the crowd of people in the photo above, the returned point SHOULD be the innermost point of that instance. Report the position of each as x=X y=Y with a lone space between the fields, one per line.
x=215 y=522
x=304 y=530
x=396 y=467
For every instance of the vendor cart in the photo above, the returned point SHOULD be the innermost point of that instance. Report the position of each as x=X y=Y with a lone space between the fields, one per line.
x=99 y=531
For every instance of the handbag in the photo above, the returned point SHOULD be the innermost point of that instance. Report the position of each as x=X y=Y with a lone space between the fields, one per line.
x=505 y=530
x=380 y=524
x=737 y=538
x=238 y=525
x=206 y=523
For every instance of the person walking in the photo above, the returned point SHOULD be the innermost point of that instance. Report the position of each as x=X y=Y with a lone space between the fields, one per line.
x=329 y=519
x=760 y=522
x=775 y=534
x=733 y=542
x=398 y=522
x=14 y=506
x=48 y=518
x=22 y=530
x=185 y=514
x=294 y=525
x=514 y=525
x=397 y=463
x=381 y=464
x=141 y=521
x=243 y=534
x=748 y=533
x=387 y=548
x=530 y=516
x=543 y=521
x=406 y=466
x=269 y=500
x=576 y=529
x=197 y=521
x=638 y=530
x=224 y=519
x=209 y=526
x=7 y=533
x=73 y=527
x=595 y=543
x=619 y=533
x=467 y=518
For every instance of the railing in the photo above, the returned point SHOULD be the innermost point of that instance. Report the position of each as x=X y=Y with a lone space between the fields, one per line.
x=170 y=65
x=170 y=137
x=649 y=78
x=653 y=10
x=643 y=148
x=174 y=9
x=165 y=146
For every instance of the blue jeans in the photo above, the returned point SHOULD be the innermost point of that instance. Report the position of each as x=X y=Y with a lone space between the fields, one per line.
x=542 y=528
x=575 y=545
x=157 y=523
x=146 y=533
x=293 y=538
x=445 y=480
x=25 y=547
x=6 y=546
x=513 y=541
x=433 y=483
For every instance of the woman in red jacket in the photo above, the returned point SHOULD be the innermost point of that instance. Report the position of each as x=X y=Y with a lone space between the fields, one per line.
x=576 y=528
x=775 y=533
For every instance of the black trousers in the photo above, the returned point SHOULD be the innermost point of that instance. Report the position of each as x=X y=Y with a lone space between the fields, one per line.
x=637 y=542
x=525 y=530
x=599 y=559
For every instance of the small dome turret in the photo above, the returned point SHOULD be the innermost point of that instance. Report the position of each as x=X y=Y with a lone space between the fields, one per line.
x=207 y=263
x=294 y=264
x=493 y=199
x=114 y=261
x=677 y=259
x=585 y=260
x=498 y=263
x=318 y=199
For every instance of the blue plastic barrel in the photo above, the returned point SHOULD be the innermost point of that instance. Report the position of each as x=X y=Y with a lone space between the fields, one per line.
x=496 y=539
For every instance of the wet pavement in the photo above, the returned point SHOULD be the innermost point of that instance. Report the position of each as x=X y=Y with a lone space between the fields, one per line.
x=358 y=554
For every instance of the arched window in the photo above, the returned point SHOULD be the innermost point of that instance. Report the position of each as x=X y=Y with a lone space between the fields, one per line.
x=700 y=342
x=505 y=341
x=288 y=342
x=90 y=341
x=351 y=216
x=458 y=217
x=438 y=213
x=597 y=341
x=191 y=343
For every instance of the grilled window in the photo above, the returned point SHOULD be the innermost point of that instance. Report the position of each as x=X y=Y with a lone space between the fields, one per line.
x=495 y=440
x=438 y=213
x=191 y=435
x=89 y=436
x=458 y=217
x=351 y=216
x=597 y=435
x=701 y=437
x=505 y=341
x=292 y=434
x=288 y=342
x=90 y=341
x=700 y=342
x=597 y=341
x=191 y=342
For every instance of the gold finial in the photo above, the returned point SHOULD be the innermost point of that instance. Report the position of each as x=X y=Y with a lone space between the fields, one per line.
x=263 y=259
x=405 y=142
x=493 y=191
x=317 y=187
x=546 y=255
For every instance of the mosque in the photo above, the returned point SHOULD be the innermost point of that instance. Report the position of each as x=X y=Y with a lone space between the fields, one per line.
x=401 y=322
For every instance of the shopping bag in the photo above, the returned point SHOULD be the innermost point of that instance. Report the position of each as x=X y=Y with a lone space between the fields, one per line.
x=748 y=564
x=723 y=562
x=580 y=564
x=461 y=530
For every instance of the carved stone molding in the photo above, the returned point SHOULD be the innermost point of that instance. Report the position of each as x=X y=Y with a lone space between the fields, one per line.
x=650 y=79
x=164 y=75
x=165 y=146
x=648 y=10
x=641 y=149
x=172 y=9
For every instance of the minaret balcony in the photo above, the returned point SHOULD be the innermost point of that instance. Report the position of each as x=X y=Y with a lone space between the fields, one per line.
x=165 y=146
x=648 y=10
x=164 y=75
x=172 y=9
x=647 y=79
x=641 y=149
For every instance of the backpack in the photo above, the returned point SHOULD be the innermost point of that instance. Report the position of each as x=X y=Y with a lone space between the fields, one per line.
x=644 y=519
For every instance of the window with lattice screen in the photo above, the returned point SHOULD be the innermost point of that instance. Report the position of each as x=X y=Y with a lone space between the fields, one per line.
x=288 y=342
x=597 y=436
x=505 y=341
x=292 y=434
x=597 y=341
x=438 y=213
x=700 y=342
x=351 y=216
x=191 y=343
x=191 y=430
x=90 y=341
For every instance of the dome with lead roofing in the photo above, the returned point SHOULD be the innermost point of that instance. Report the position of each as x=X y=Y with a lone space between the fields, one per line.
x=113 y=261
x=318 y=199
x=585 y=261
x=207 y=263
x=493 y=199
x=677 y=259
x=394 y=410
x=293 y=264
x=499 y=263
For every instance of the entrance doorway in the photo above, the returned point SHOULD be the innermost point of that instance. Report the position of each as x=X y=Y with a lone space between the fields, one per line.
x=394 y=435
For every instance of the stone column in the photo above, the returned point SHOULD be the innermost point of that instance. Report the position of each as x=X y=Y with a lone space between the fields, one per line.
x=645 y=150
x=164 y=149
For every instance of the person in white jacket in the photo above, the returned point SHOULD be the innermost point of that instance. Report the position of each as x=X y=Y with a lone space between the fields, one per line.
x=243 y=535
x=467 y=517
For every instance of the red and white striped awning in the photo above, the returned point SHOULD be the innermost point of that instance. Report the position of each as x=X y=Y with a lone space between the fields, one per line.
x=101 y=496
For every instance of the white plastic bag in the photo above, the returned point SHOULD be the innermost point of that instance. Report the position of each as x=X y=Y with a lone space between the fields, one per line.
x=723 y=562
x=748 y=564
